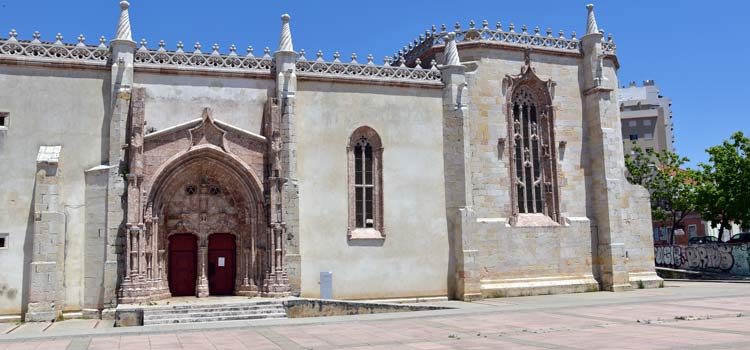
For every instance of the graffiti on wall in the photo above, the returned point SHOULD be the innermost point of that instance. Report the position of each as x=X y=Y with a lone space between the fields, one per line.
x=729 y=258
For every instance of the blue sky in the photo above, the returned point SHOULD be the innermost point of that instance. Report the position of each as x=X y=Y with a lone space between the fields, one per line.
x=696 y=51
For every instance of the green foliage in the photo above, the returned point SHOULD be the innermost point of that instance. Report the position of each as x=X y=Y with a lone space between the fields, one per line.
x=639 y=165
x=724 y=191
x=672 y=188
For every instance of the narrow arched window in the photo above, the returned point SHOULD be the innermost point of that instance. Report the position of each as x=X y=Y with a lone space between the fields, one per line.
x=534 y=170
x=365 y=185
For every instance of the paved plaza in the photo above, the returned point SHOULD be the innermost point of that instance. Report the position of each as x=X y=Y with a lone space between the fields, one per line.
x=683 y=315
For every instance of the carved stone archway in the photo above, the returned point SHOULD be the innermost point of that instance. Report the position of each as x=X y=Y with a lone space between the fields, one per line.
x=204 y=196
x=202 y=177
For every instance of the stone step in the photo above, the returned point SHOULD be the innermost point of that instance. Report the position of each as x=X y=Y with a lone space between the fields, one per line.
x=211 y=309
x=213 y=312
x=193 y=306
x=199 y=314
x=214 y=319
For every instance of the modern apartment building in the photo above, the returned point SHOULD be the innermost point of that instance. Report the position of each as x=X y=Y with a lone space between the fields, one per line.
x=646 y=117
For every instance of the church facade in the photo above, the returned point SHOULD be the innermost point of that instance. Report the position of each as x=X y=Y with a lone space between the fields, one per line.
x=478 y=162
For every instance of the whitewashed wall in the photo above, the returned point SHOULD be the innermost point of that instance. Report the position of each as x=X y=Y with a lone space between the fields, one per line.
x=413 y=258
x=58 y=106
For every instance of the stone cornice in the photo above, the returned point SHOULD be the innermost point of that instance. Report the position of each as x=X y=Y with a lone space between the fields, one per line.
x=203 y=71
x=44 y=62
x=502 y=38
x=25 y=51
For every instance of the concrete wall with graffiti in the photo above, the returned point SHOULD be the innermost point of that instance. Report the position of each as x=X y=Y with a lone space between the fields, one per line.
x=729 y=258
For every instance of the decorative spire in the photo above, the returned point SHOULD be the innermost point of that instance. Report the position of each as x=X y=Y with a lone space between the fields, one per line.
x=285 y=43
x=451 y=51
x=123 y=28
x=591 y=27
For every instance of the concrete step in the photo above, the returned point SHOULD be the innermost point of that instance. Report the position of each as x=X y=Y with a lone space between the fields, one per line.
x=214 y=319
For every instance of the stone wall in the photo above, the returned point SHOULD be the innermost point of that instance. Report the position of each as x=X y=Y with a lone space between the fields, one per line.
x=518 y=259
x=639 y=245
x=96 y=238
x=301 y=308
x=174 y=99
x=490 y=160
x=49 y=106
x=412 y=260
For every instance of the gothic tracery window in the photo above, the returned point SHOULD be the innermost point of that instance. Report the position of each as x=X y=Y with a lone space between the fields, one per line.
x=534 y=165
x=365 y=184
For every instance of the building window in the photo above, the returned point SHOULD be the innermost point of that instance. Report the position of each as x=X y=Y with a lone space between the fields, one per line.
x=648 y=136
x=363 y=184
x=692 y=231
x=365 y=152
x=633 y=137
x=4 y=119
x=647 y=122
x=534 y=170
x=4 y=240
x=632 y=123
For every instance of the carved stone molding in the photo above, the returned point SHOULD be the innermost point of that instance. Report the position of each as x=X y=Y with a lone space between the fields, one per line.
x=208 y=132
x=532 y=149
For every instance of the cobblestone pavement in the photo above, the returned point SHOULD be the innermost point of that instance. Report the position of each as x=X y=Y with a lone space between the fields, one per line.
x=684 y=315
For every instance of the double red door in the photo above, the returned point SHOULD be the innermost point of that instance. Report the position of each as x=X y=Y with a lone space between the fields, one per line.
x=183 y=267
x=221 y=264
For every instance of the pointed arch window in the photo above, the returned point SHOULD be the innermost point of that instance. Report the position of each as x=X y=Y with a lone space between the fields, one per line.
x=365 y=185
x=533 y=155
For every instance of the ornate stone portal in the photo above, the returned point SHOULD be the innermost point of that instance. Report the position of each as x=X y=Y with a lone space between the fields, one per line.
x=200 y=181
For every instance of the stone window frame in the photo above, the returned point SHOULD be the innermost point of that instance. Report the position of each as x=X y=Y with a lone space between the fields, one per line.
x=539 y=90
x=377 y=231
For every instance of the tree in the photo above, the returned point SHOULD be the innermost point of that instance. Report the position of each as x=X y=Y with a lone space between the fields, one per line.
x=724 y=191
x=639 y=165
x=672 y=188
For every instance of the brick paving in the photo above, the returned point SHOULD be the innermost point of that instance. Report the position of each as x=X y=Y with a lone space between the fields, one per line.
x=686 y=315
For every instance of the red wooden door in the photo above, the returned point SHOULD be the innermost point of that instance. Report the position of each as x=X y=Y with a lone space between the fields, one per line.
x=221 y=266
x=183 y=267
